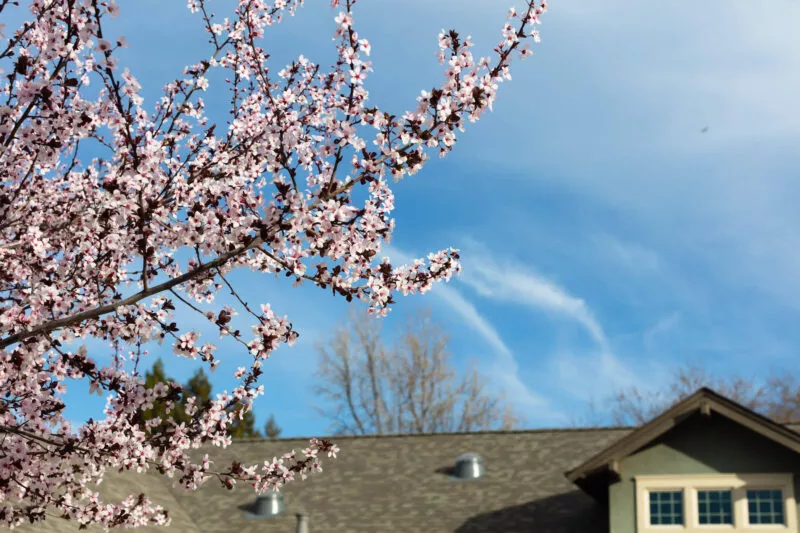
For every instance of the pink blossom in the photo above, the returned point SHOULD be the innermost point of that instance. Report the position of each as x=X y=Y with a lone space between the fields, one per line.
x=103 y=46
x=298 y=186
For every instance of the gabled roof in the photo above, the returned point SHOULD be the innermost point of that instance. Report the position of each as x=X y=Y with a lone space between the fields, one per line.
x=704 y=400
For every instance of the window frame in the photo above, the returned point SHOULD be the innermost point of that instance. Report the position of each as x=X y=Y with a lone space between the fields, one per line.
x=696 y=493
x=738 y=484
x=683 y=506
x=756 y=489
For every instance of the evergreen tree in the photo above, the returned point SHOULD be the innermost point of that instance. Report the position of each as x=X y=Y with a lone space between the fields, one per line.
x=271 y=428
x=198 y=386
x=245 y=428
x=152 y=377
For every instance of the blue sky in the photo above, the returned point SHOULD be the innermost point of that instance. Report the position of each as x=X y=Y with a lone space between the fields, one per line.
x=605 y=238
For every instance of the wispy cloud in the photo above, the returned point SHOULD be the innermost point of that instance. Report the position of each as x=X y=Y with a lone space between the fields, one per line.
x=569 y=374
x=504 y=280
x=686 y=239
x=504 y=368
x=565 y=376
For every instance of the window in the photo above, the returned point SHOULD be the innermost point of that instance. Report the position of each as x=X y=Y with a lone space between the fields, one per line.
x=765 y=506
x=714 y=507
x=666 y=507
x=756 y=503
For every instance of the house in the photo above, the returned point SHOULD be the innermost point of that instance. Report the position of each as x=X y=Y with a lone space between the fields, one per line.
x=705 y=465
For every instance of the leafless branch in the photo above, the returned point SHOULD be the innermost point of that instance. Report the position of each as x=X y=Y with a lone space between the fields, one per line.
x=367 y=387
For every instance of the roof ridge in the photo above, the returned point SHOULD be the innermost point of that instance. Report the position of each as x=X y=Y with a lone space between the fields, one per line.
x=441 y=433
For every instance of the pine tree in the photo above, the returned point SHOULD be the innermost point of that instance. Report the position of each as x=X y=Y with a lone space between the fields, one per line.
x=198 y=386
x=271 y=428
x=244 y=428
x=151 y=378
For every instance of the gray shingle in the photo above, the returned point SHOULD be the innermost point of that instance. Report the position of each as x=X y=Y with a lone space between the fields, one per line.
x=115 y=488
x=396 y=484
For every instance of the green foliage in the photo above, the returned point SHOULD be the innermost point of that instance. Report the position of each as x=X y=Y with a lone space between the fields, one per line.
x=198 y=386
x=271 y=428
x=245 y=428
x=152 y=377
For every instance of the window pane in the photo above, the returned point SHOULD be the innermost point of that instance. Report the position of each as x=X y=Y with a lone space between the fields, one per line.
x=765 y=506
x=666 y=507
x=714 y=507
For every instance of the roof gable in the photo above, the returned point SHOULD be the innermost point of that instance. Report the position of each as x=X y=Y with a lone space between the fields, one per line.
x=704 y=400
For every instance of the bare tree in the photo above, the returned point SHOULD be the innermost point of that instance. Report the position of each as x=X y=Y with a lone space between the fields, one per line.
x=367 y=387
x=778 y=398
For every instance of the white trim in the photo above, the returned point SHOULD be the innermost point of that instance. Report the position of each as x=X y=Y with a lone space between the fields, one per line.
x=738 y=483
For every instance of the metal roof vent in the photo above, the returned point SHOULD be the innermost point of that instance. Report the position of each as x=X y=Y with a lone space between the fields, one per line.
x=268 y=505
x=469 y=466
x=302 y=523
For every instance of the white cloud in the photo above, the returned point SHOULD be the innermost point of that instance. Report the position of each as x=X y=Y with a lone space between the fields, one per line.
x=621 y=129
x=470 y=315
x=729 y=63
x=584 y=375
x=503 y=280
x=504 y=368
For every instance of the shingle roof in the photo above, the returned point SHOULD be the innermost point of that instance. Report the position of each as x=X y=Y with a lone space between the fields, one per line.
x=115 y=488
x=399 y=484
x=396 y=484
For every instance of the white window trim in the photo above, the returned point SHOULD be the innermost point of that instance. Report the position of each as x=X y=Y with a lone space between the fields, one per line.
x=738 y=483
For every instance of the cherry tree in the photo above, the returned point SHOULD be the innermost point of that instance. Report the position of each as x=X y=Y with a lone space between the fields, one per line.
x=89 y=249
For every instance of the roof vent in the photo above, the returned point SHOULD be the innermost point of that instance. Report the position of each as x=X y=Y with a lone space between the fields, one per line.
x=302 y=523
x=268 y=505
x=468 y=466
